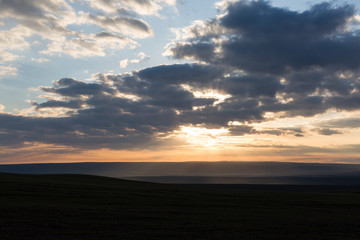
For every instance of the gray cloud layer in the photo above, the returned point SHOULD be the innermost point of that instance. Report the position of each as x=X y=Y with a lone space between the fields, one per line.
x=257 y=37
x=264 y=59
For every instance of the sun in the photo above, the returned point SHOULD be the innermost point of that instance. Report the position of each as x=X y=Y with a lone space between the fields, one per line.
x=202 y=137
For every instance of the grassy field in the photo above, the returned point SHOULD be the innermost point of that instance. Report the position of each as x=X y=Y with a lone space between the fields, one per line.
x=88 y=207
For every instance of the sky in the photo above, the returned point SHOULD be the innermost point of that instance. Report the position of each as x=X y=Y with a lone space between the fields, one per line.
x=179 y=80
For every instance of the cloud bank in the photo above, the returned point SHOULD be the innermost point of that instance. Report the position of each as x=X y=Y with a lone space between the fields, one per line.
x=252 y=63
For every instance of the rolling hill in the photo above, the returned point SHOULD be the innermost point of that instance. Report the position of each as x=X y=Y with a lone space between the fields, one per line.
x=92 y=207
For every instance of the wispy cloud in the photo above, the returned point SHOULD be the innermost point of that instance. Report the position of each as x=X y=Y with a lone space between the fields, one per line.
x=40 y=60
x=124 y=63
x=8 y=71
x=93 y=30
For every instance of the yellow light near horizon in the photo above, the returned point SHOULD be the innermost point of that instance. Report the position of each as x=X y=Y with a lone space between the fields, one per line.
x=200 y=136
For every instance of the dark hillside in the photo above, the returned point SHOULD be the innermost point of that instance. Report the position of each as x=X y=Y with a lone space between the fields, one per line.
x=89 y=207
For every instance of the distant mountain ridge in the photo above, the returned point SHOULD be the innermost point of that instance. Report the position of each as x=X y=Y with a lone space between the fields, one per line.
x=204 y=172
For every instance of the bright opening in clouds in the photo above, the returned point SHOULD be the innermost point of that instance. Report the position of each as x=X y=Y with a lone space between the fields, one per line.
x=234 y=80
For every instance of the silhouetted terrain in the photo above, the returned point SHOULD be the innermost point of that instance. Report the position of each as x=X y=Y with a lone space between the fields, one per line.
x=206 y=172
x=90 y=207
x=335 y=179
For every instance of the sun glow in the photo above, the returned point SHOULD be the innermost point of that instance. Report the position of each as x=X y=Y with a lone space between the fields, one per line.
x=200 y=136
x=207 y=93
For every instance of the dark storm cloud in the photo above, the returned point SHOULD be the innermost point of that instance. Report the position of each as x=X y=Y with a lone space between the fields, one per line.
x=232 y=109
x=327 y=131
x=251 y=86
x=19 y=129
x=161 y=86
x=302 y=106
x=290 y=131
x=76 y=104
x=307 y=82
x=349 y=103
x=292 y=62
x=257 y=37
x=259 y=19
x=245 y=129
x=192 y=74
x=90 y=129
x=204 y=51
x=72 y=88
x=174 y=97
x=104 y=114
x=241 y=130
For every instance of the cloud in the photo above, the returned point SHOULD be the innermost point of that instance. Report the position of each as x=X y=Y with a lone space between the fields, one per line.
x=142 y=7
x=353 y=122
x=247 y=33
x=145 y=107
x=7 y=57
x=75 y=104
x=32 y=18
x=98 y=28
x=40 y=60
x=327 y=131
x=124 y=63
x=7 y=71
x=253 y=61
x=295 y=63
x=141 y=58
x=134 y=27
x=251 y=86
x=104 y=113
x=241 y=130
x=73 y=88
x=192 y=74
x=11 y=40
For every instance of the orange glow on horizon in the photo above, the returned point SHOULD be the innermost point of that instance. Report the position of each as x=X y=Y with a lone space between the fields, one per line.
x=175 y=155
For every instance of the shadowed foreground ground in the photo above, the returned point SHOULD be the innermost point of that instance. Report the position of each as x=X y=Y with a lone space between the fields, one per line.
x=88 y=207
